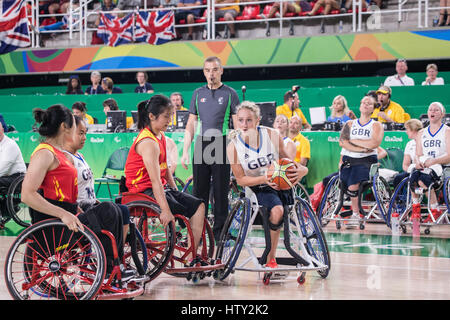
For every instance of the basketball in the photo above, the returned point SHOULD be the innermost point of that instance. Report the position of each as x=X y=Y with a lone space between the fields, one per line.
x=277 y=173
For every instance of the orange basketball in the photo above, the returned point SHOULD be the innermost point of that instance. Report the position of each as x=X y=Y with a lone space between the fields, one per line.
x=277 y=173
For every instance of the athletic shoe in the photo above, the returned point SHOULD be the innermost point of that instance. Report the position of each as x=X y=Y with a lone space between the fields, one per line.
x=436 y=214
x=272 y=264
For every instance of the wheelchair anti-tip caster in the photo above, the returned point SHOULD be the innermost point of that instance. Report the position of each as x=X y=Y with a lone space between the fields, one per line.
x=301 y=278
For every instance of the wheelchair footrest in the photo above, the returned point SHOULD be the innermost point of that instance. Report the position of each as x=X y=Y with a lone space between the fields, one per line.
x=195 y=268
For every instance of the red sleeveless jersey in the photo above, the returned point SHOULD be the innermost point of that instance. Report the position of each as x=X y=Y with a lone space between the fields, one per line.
x=137 y=177
x=61 y=183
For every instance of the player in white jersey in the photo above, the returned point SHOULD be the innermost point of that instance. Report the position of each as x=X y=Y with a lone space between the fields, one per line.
x=251 y=151
x=86 y=193
x=281 y=124
x=359 y=140
x=432 y=153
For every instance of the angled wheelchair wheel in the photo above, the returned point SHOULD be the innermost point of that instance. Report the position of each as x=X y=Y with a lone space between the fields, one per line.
x=233 y=235
x=446 y=193
x=48 y=261
x=300 y=191
x=401 y=201
x=312 y=236
x=134 y=252
x=159 y=240
x=383 y=194
x=18 y=210
x=332 y=200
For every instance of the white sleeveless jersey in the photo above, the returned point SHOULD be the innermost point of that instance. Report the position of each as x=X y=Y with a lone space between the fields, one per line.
x=433 y=145
x=361 y=132
x=255 y=162
x=86 y=193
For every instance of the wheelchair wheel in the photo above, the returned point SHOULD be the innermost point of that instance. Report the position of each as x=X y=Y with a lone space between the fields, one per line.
x=18 y=210
x=374 y=195
x=301 y=192
x=383 y=195
x=48 y=261
x=159 y=241
x=134 y=252
x=332 y=200
x=446 y=193
x=233 y=235
x=400 y=201
x=316 y=244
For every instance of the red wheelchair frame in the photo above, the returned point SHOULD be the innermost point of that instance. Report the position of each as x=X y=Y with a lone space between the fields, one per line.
x=178 y=247
x=48 y=261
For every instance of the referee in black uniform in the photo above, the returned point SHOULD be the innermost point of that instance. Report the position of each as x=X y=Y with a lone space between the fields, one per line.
x=212 y=108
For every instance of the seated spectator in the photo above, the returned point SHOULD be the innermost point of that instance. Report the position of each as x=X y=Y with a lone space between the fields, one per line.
x=348 y=4
x=144 y=86
x=50 y=7
x=107 y=5
x=432 y=79
x=176 y=99
x=302 y=144
x=327 y=5
x=388 y=110
x=111 y=105
x=340 y=111
x=229 y=13
x=188 y=14
x=95 y=87
x=292 y=6
x=11 y=161
x=74 y=85
x=108 y=86
x=79 y=109
x=281 y=124
x=128 y=4
x=291 y=107
x=167 y=4
x=444 y=12
x=399 y=79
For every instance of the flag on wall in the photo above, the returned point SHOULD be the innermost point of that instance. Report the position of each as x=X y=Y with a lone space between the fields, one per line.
x=155 y=27
x=13 y=26
x=115 y=31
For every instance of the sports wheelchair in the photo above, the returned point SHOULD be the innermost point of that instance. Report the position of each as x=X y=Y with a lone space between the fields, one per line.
x=401 y=203
x=373 y=199
x=48 y=261
x=170 y=248
x=11 y=205
x=302 y=237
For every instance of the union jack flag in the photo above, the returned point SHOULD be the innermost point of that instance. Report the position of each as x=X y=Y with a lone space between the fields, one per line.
x=13 y=26
x=115 y=31
x=156 y=27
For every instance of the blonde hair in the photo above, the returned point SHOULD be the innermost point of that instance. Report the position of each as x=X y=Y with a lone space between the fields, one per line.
x=432 y=66
x=439 y=105
x=414 y=125
x=251 y=106
x=344 y=103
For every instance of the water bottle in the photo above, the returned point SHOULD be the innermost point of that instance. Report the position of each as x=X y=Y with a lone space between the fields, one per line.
x=395 y=225
x=435 y=21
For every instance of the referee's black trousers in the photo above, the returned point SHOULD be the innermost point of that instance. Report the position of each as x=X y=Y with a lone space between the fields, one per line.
x=210 y=166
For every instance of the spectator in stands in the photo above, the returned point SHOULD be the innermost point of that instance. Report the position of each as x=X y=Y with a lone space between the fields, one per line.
x=74 y=85
x=108 y=86
x=168 y=3
x=399 y=79
x=388 y=110
x=291 y=107
x=292 y=7
x=281 y=124
x=110 y=104
x=340 y=112
x=444 y=12
x=95 y=87
x=176 y=99
x=11 y=161
x=128 y=4
x=327 y=5
x=50 y=7
x=348 y=4
x=302 y=144
x=432 y=79
x=79 y=109
x=144 y=86
x=107 y=5
x=229 y=13
x=188 y=14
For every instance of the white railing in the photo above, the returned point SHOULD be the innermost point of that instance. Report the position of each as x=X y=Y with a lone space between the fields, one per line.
x=78 y=17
